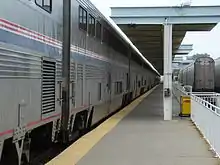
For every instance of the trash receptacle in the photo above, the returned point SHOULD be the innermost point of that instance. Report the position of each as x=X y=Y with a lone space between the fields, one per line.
x=185 y=103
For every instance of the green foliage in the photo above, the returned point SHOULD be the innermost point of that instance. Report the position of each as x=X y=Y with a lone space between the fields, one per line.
x=195 y=56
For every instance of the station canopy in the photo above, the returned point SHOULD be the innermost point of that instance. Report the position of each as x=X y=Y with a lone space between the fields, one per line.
x=144 y=26
x=184 y=49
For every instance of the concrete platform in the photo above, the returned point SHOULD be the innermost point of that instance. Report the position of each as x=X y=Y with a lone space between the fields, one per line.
x=143 y=138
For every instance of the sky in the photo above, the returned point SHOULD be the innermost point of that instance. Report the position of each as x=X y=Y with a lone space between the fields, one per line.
x=203 y=42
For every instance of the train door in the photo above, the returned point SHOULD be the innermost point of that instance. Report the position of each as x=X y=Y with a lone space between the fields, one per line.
x=108 y=90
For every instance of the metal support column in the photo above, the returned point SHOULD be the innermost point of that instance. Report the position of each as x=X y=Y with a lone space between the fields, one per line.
x=167 y=86
x=66 y=68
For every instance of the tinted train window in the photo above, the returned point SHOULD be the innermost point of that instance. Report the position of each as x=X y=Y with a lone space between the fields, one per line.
x=98 y=30
x=105 y=37
x=99 y=91
x=91 y=25
x=118 y=87
x=45 y=4
x=127 y=81
x=82 y=18
x=109 y=81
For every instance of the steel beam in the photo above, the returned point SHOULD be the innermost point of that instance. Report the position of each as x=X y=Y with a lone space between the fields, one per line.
x=167 y=86
x=174 y=11
x=174 y=20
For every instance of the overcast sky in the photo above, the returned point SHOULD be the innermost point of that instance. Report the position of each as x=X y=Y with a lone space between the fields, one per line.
x=203 y=42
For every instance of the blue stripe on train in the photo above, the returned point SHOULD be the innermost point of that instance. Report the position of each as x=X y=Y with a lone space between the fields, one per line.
x=15 y=39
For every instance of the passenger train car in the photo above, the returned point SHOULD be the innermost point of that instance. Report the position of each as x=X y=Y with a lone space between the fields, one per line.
x=217 y=75
x=106 y=71
x=199 y=74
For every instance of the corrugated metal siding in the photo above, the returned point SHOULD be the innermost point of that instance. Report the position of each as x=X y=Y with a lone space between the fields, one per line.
x=79 y=71
x=58 y=70
x=15 y=64
x=72 y=71
x=94 y=72
x=204 y=71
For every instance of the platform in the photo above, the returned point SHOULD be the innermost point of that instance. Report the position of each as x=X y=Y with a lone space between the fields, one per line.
x=141 y=137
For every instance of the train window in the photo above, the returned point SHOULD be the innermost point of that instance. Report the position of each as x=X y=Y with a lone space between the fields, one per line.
x=99 y=91
x=98 y=30
x=109 y=81
x=105 y=37
x=127 y=81
x=82 y=19
x=91 y=29
x=45 y=4
x=145 y=82
x=118 y=87
x=139 y=84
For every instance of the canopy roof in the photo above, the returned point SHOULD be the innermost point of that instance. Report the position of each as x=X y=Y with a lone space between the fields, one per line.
x=144 y=27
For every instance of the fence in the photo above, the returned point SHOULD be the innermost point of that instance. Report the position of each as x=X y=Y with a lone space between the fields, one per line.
x=211 y=97
x=205 y=113
x=206 y=117
x=179 y=90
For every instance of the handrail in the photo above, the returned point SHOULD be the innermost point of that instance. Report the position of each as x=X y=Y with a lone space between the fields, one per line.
x=205 y=113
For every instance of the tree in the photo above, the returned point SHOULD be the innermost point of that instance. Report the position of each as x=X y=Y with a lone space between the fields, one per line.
x=195 y=56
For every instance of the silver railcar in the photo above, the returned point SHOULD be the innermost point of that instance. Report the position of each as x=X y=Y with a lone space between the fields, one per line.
x=217 y=75
x=103 y=76
x=200 y=74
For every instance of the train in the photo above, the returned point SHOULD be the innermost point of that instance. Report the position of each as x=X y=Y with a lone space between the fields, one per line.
x=106 y=72
x=200 y=74
x=217 y=75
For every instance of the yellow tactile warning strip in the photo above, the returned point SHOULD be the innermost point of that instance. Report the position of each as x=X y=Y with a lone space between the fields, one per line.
x=81 y=147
